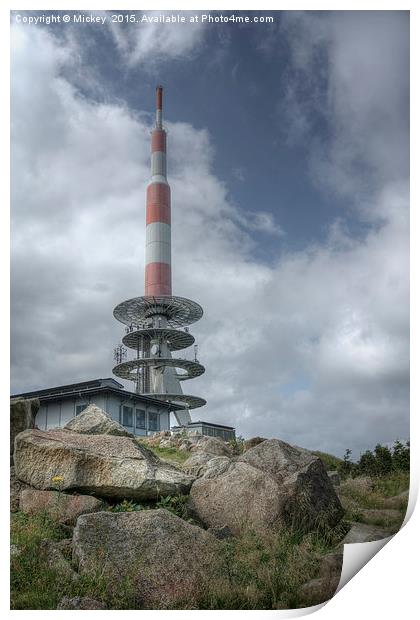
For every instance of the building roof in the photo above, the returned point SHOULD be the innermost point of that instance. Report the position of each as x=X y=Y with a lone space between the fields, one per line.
x=95 y=386
x=200 y=422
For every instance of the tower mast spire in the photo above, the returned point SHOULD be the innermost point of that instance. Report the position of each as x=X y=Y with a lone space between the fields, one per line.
x=159 y=106
x=158 y=278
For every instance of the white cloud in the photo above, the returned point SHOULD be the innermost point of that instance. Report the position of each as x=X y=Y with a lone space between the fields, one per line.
x=149 y=43
x=351 y=70
x=313 y=349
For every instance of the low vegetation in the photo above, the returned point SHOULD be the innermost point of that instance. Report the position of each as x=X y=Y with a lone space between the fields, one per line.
x=259 y=572
x=383 y=461
x=331 y=462
x=177 y=504
x=171 y=455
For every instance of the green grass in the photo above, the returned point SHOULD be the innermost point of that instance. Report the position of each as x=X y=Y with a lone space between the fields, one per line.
x=330 y=461
x=34 y=585
x=177 y=504
x=358 y=501
x=393 y=484
x=266 y=571
x=172 y=455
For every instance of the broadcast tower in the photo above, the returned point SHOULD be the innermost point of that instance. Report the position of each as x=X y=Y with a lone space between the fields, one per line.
x=157 y=323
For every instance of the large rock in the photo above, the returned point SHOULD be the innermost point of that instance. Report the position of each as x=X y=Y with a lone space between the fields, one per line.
x=22 y=416
x=271 y=486
x=212 y=445
x=200 y=462
x=61 y=507
x=165 y=559
x=252 y=442
x=94 y=421
x=102 y=465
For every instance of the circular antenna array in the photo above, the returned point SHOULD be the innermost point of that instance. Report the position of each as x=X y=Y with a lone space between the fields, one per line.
x=178 y=311
x=176 y=339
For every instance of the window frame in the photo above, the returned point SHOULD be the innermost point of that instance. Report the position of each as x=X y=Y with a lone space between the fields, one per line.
x=137 y=412
x=77 y=406
x=130 y=411
x=150 y=416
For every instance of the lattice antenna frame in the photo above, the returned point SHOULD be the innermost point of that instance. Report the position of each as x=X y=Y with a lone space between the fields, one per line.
x=120 y=354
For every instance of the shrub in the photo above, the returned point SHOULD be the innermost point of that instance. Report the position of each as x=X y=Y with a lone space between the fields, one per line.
x=401 y=456
x=381 y=462
x=127 y=505
x=346 y=466
x=177 y=504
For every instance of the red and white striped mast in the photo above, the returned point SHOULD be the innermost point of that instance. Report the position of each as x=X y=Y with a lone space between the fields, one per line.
x=158 y=279
x=154 y=322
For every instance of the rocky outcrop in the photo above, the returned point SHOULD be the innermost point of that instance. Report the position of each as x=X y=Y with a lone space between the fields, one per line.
x=165 y=559
x=271 y=486
x=80 y=602
x=201 y=463
x=213 y=446
x=334 y=476
x=94 y=421
x=204 y=454
x=103 y=465
x=60 y=507
x=361 y=533
x=252 y=442
x=22 y=416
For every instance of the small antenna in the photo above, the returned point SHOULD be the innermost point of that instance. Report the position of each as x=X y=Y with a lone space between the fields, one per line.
x=120 y=353
x=195 y=352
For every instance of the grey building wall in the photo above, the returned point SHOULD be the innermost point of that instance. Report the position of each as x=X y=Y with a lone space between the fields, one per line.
x=58 y=413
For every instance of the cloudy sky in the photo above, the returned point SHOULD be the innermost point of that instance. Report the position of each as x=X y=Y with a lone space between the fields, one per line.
x=288 y=162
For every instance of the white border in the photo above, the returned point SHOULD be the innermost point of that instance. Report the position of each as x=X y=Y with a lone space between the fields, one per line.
x=386 y=586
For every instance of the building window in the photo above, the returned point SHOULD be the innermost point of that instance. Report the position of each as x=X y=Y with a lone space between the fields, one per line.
x=140 y=418
x=80 y=408
x=153 y=421
x=127 y=416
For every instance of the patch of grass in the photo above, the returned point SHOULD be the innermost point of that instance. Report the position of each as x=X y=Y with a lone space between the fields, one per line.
x=393 y=484
x=331 y=462
x=34 y=585
x=177 y=504
x=377 y=497
x=371 y=505
x=172 y=455
x=127 y=505
x=383 y=520
x=266 y=571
